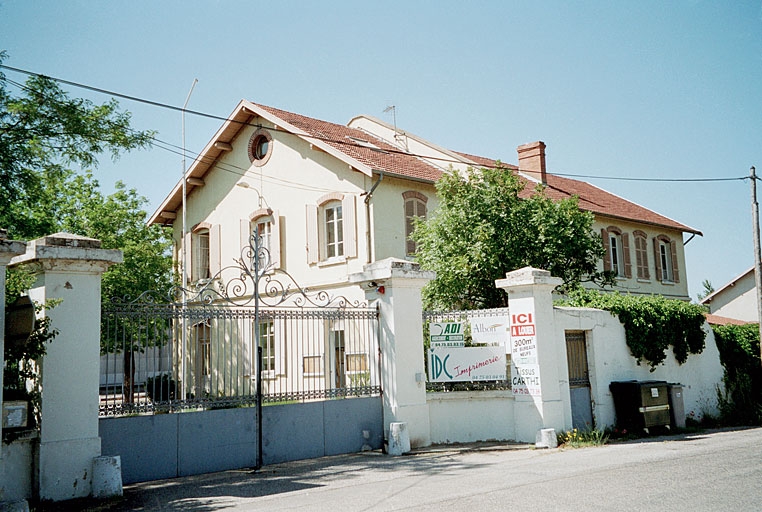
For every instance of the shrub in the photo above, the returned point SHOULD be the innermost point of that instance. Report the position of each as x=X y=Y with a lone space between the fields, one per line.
x=741 y=403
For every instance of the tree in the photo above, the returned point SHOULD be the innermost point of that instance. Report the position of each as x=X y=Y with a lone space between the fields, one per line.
x=44 y=136
x=484 y=229
x=43 y=132
x=708 y=290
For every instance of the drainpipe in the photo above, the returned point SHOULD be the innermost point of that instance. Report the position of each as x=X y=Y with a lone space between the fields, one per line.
x=368 y=195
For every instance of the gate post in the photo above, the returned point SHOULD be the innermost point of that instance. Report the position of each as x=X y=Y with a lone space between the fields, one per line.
x=538 y=349
x=69 y=268
x=395 y=285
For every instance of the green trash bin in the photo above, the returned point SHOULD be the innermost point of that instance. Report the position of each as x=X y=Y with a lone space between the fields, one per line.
x=641 y=405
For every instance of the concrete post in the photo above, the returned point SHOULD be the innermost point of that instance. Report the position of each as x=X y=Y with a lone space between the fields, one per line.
x=538 y=355
x=395 y=285
x=69 y=268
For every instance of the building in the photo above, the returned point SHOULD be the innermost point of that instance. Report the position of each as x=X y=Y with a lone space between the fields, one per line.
x=736 y=302
x=330 y=198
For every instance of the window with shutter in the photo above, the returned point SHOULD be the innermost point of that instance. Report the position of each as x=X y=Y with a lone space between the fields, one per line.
x=641 y=254
x=415 y=208
x=331 y=228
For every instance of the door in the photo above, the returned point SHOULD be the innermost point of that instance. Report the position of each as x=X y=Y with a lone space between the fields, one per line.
x=579 y=380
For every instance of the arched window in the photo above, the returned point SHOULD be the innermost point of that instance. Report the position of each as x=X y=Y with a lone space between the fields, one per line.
x=331 y=230
x=641 y=254
x=415 y=208
x=617 y=257
x=665 y=254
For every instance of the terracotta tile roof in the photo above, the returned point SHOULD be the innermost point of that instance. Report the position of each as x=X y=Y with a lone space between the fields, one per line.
x=598 y=201
x=349 y=141
x=723 y=320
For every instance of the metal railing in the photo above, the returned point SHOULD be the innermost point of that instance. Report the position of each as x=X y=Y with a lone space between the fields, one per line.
x=170 y=357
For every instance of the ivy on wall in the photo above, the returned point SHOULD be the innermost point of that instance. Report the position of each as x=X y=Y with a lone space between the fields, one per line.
x=652 y=323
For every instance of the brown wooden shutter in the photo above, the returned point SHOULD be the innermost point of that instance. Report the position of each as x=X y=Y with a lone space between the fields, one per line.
x=350 y=228
x=626 y=253
x=675 y=266
x=657 y=260
x=607 y=248
x=312 y=234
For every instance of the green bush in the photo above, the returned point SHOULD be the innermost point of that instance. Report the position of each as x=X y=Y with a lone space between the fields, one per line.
x=741 y=403
x=161 y=388
x=652 y=323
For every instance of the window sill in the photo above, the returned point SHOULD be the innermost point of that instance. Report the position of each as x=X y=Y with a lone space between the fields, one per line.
x=668 y=283
x=332 y=261
x=641 y=280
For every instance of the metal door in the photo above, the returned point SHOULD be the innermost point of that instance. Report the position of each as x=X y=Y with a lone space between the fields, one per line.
x=579 y=380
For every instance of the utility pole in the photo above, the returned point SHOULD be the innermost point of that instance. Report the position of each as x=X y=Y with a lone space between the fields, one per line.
x=757 y=252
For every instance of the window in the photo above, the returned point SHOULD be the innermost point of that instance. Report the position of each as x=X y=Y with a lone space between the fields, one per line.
x=641 y=254
x=331 y=229
x=312 y=366
x=665 y=254
x=267 y=342
x=203 y=334
x=202 y=252
x=260 y=147
x=415 y=207
x=617 y=257
x=201 y=256
x=265 y=222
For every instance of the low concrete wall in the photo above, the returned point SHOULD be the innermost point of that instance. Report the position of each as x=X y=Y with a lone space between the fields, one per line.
x=16 y=464
x=609 y=359
x=468 y=416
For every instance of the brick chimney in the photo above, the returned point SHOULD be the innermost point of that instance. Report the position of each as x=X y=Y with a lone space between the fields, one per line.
x=532 y=160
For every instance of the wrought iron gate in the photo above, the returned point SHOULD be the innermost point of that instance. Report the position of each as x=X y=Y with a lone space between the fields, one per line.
x=247 y=337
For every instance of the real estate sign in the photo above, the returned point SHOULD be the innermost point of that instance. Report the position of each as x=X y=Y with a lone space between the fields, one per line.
x=466 y=364
x=525 y=370
x=446 y=334
x=492 y=330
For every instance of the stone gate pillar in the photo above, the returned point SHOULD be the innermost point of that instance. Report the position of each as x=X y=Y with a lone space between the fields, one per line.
x=395 y=285
x=538 y=354
x=69 y=268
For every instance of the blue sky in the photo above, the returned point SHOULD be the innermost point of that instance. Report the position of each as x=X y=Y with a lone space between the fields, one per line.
x=646 y=89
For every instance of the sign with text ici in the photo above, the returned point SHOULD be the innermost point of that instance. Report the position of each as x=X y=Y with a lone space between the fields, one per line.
x=525 y=368
x=446 y=334
x=466 y=364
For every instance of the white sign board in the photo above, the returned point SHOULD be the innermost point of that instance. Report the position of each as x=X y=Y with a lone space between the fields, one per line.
x=492 y=330
x=525 y=370
x=466 y=364
x=446 y=334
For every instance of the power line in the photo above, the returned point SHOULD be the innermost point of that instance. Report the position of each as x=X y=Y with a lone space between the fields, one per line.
x=337 y=141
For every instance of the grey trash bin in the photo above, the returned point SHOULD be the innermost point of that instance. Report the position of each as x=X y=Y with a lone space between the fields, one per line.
x=676 y=405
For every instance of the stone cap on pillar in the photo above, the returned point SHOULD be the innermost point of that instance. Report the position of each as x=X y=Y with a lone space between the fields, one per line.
x=67 y=246
x=390 y=268
x=9 y=248
x=528 y=276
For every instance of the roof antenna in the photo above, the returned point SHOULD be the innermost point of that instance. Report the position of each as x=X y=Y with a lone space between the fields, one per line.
x=399 y=137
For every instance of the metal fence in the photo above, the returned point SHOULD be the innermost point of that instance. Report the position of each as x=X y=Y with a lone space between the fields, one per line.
x=463 y=316
x=158 y=357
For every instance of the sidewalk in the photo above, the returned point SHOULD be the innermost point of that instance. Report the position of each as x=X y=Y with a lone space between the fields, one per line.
x=246 y=488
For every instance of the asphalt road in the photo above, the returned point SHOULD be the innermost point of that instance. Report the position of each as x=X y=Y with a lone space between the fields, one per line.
x=711 y=471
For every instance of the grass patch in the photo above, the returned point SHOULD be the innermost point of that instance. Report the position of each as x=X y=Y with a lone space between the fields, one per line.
x=576 y=438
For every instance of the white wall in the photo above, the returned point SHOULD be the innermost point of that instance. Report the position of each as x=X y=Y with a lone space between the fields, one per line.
x=469 y=416
x=738 y=301
x=609 y=359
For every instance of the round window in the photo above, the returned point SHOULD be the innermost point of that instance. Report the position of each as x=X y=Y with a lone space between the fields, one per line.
x=260 y=147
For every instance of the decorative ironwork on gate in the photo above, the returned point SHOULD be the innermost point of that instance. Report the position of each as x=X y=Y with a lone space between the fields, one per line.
x=196 y=348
